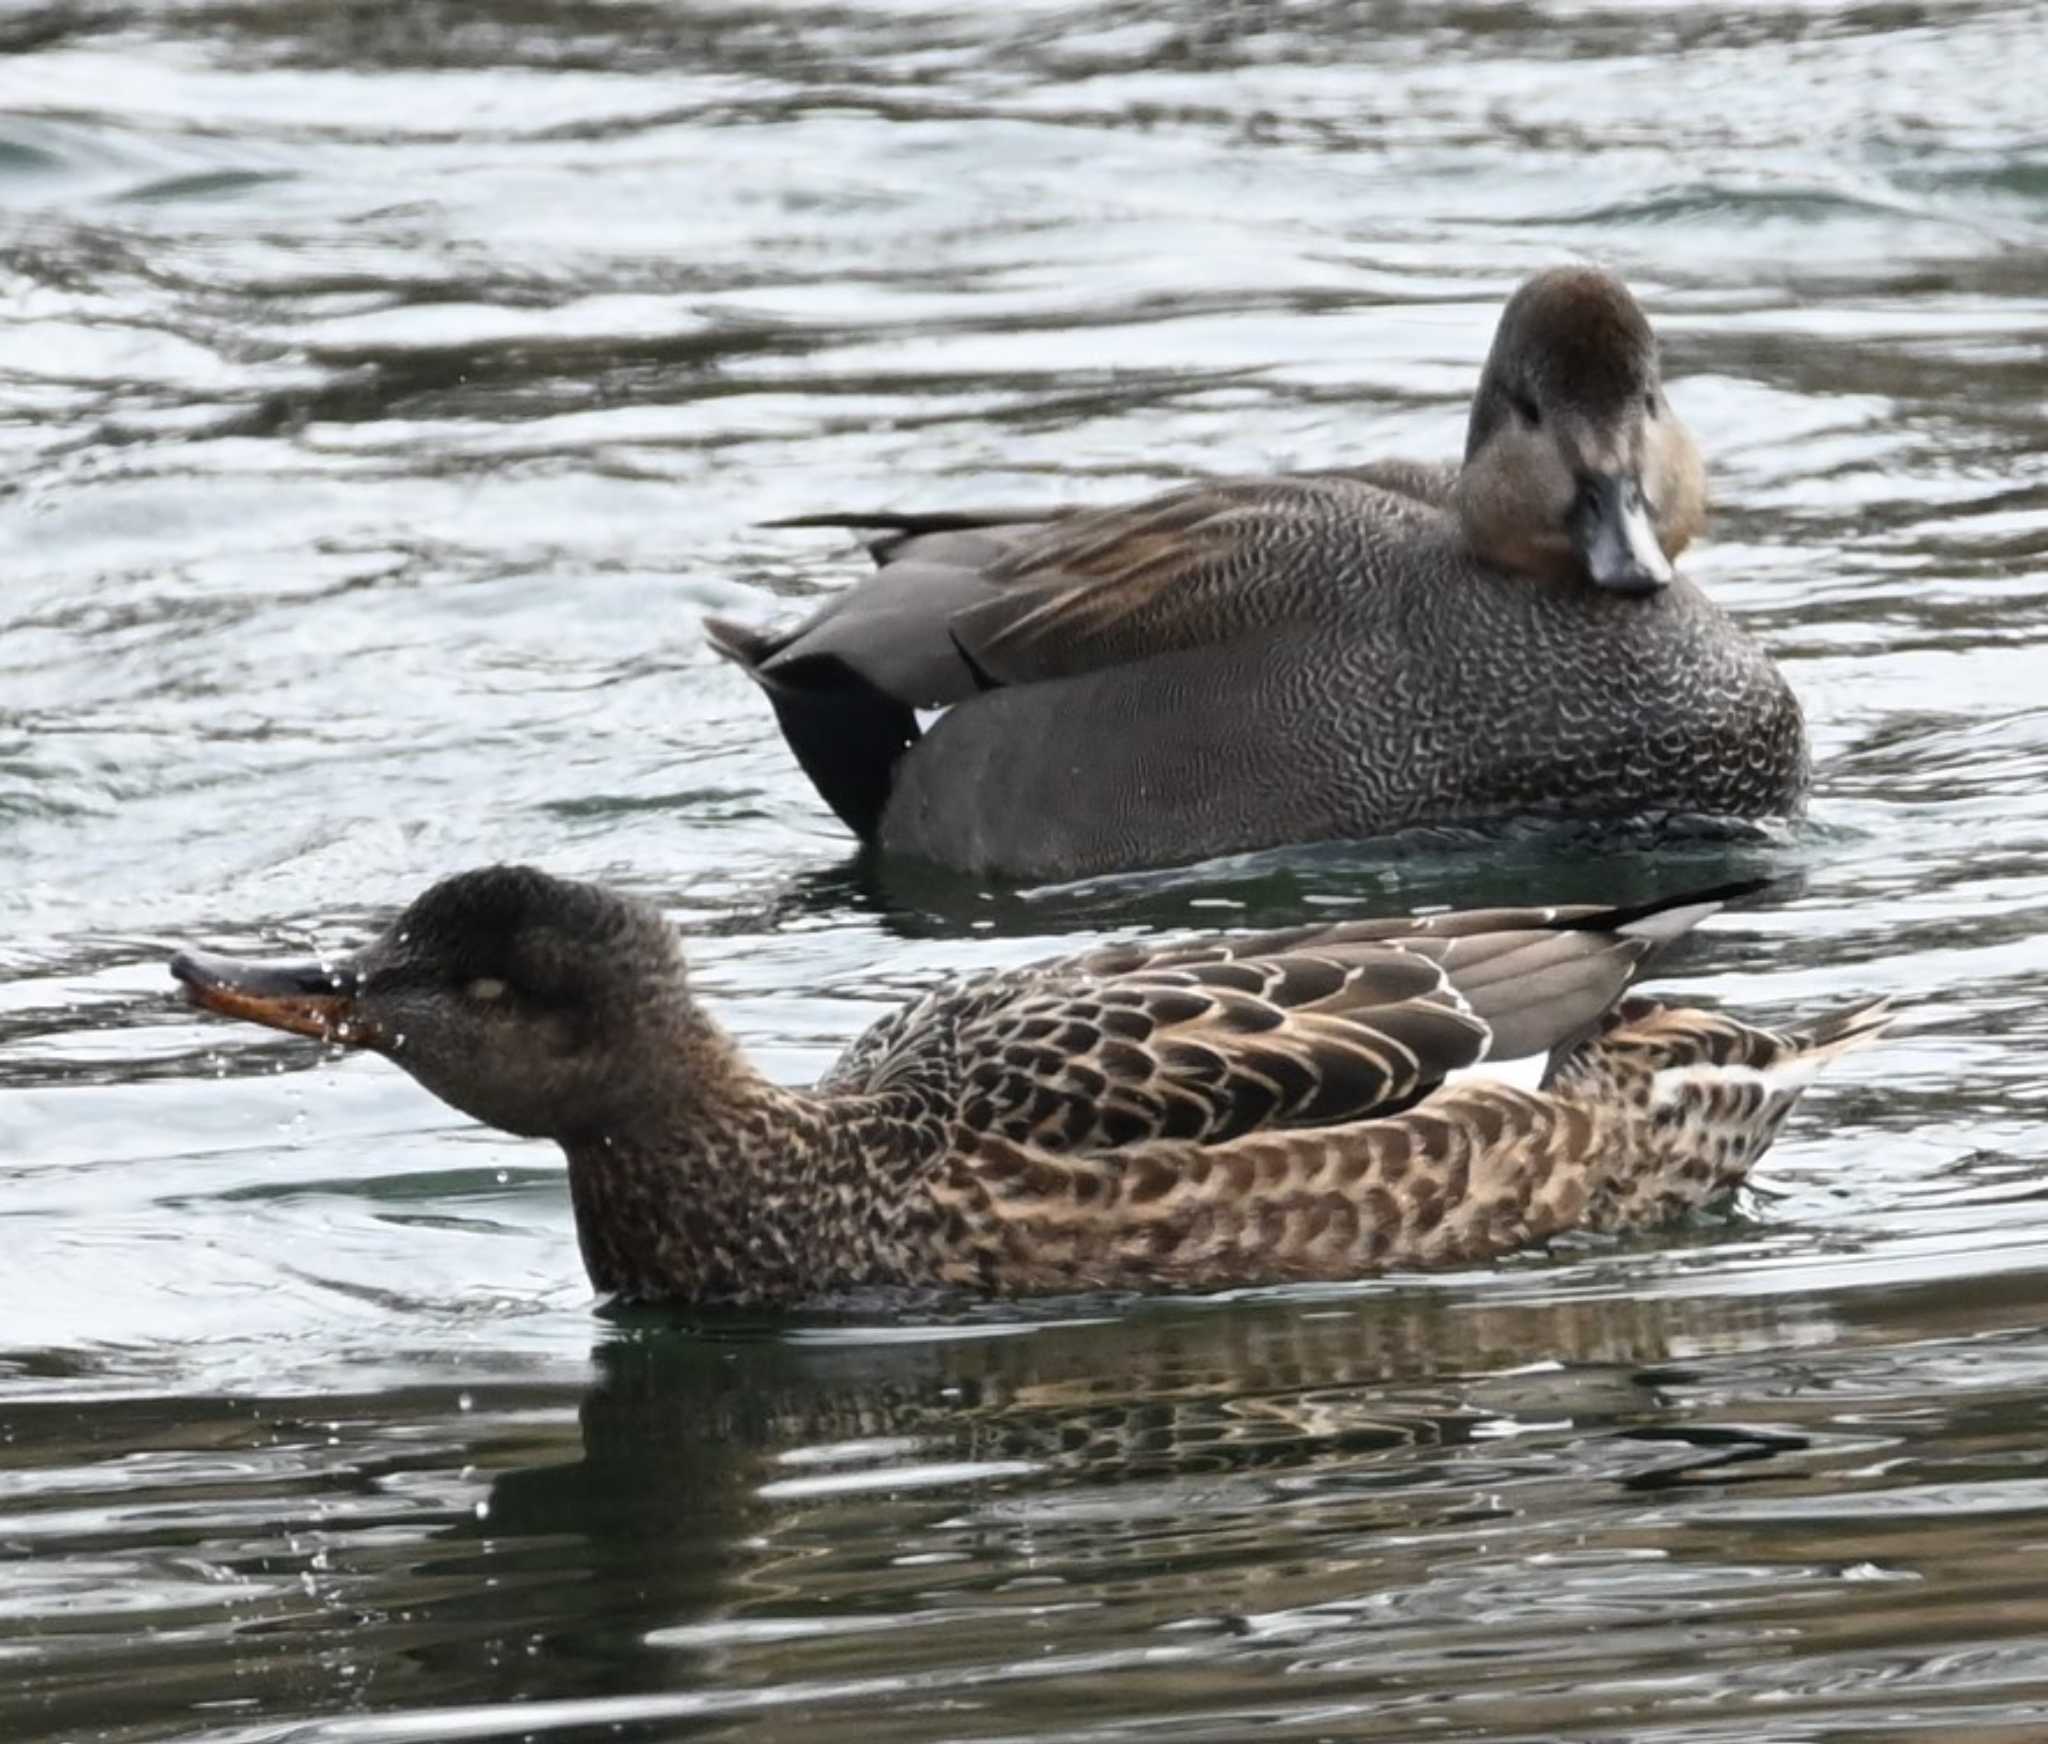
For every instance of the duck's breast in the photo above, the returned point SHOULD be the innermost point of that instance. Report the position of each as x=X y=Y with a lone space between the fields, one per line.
x=1575 y=702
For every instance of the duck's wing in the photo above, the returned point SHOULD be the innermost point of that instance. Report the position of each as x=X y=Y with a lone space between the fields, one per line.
x=965 y=602
x=1426 y=481
x=1206 y=1040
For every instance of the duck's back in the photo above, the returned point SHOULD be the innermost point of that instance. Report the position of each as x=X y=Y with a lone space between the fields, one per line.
x=1405 y=684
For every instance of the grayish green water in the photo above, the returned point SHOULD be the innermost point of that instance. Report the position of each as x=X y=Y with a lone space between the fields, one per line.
x=385 y=391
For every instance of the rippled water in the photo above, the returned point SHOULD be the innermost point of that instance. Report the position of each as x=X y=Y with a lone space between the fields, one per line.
x=385 y=392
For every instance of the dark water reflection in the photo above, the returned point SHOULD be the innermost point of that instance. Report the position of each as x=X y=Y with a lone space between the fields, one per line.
x=385 y=392
x=1357 y=1518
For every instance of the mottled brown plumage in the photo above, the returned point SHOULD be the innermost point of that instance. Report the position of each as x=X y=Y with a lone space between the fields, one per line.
x=1195 y=1113
x=1309 y=656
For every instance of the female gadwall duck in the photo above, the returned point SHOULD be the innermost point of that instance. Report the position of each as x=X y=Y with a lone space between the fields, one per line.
x=1210 y=1112
x=1311 y=656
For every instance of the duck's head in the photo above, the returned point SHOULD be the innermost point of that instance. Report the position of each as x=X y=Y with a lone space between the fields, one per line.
x=1576 y=468
x=526 y=1001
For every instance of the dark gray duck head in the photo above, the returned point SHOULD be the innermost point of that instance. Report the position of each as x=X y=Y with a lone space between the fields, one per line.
x=542 y=1007
x=1575 y=465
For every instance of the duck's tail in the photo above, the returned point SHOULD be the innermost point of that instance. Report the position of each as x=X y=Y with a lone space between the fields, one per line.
x=847 y=735
x=1827 y=1039
x=1694 y=1097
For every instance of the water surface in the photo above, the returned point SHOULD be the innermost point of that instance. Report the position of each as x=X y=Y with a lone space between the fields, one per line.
x=385 y=394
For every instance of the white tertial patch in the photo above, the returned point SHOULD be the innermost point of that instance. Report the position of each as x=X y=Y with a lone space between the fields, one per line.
x=1445 y=989
x=1459 y=1003
x=1787 y=1077
x=1526 y=1074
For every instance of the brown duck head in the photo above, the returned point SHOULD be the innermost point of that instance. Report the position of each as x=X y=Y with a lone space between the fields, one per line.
x=538 y=1006
x=1576 y=468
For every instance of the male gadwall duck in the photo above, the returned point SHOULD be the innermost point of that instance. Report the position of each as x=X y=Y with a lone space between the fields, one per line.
x=1210 y=1112
x=1309 y=656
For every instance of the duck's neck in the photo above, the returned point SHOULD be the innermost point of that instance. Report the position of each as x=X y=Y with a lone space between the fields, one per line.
x=721 y=1186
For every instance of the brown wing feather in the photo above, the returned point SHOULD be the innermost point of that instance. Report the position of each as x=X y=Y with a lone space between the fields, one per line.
x=1209 y=1039
x=964 y=600
x=1202 y=1052
x=1188 y=569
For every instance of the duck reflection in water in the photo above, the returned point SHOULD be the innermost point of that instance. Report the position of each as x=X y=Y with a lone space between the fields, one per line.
x=739 y=1477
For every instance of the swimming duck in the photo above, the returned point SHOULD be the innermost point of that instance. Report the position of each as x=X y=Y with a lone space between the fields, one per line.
x=1195 y=1114
x=1308 y=656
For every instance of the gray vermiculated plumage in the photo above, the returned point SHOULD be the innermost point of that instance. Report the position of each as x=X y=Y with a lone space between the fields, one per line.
x=1310 y=656
x=1457 y=695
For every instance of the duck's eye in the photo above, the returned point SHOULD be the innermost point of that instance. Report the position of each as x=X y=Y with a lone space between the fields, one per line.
x=485 y=987
x=1650 y=405
x=1526 y=409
